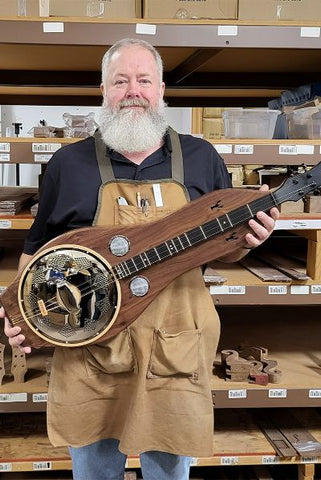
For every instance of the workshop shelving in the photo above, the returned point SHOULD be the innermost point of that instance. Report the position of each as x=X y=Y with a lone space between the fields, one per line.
x=207 y=63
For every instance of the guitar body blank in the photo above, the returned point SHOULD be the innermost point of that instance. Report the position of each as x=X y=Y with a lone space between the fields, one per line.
x=90 y=255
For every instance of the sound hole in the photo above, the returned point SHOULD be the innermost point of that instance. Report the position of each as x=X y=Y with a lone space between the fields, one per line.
x=69 y=296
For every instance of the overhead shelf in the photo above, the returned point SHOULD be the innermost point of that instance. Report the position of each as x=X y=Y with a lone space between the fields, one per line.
x=206 y=62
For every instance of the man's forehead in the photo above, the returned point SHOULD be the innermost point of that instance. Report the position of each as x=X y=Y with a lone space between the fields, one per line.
x=128 y=50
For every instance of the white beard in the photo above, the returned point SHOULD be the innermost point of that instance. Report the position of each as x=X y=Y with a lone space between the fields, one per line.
x=130 y=130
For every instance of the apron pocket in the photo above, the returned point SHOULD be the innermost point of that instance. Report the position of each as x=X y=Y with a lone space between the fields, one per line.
x=115 y=355
x=128 y=214
x=175 y=354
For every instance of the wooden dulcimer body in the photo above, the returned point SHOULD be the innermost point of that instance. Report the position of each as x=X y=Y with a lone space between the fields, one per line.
x=100 y=279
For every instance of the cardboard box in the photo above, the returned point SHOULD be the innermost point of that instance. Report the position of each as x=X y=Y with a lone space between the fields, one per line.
x=312 y=204
x=236 y=174
x=209 y=112
x=212 y=9
x=213 y=128
x=279 y=10
x=13 y=8
x=98 y=9
x=292 y=207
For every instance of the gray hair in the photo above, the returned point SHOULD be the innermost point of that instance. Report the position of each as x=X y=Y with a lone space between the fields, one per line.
x=127 y=42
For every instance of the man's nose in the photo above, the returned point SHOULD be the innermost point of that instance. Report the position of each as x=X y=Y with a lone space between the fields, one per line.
x=133 y=90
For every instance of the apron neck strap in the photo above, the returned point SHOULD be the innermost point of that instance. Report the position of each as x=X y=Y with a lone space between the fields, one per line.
x=106 y=169
x=103 y=160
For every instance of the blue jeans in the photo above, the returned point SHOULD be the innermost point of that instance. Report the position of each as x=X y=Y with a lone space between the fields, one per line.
x=103 y=461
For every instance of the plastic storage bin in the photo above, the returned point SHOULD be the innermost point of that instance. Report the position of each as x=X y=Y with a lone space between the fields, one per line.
x=304 y=123
x=249 y=122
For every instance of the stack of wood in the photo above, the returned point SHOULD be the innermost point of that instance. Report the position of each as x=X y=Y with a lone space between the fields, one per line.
x=250 y=364
x=13 y=200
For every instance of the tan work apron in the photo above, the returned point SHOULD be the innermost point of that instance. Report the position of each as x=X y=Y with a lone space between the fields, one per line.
x=149 y=385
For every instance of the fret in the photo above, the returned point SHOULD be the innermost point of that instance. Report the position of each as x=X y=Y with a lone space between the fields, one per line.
x=178 y=244
x=195 y=235
x=153 y=256
x=184 y=240
x=163 y=251
x=218 y=221
x=251 y=213
x=169 y=247
x=240 y=215
x=201 y=229
x=145 y=259
x=211 y=228
x=134 y=264
x=121 y=265
x=127 y=268
x=139 y=262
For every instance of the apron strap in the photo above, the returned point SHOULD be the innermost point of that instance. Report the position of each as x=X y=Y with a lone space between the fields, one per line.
x=177 y=157
x=106 y=169
x=103 y=160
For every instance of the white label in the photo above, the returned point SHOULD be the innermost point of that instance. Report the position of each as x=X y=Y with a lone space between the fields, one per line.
x=227 y=289
x=278 y=290
x=278 y=393
x=315 y=288
x=315 y=393
x=294 y=224
x=145 y=29
x=5 y=147
x=42 y=466
x=310 y=460
x=39 y=397
x=244 y=149
x=311 y=32
x=45 y=147
x=5 y=224
x=53 y=27
x=4 y=157
x=42 y=157
x=5 y=467
x=230 y=30
x=296 y=149
x=223 y=148
x=13 y=397
x=229 y=460
x=305 y=149
x=241 y=393
x=299 y=289
x=270 y=459
x=287 y=150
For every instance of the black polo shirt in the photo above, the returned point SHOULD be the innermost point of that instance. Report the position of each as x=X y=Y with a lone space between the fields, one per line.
x=69 y=191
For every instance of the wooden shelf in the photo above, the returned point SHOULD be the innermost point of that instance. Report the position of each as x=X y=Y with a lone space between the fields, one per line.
x=237 y=441
x=30 y=149
x=284 y=58
x=291 y=335
x=269 y=151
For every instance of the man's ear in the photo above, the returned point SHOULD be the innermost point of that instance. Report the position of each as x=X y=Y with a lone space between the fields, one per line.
x=102 y=89
x=162 y=88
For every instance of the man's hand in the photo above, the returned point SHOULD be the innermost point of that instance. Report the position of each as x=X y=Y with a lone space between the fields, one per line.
x=13 y=333
x=264 y=227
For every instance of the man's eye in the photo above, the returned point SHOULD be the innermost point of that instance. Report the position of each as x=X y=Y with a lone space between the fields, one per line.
x=120 y=82
x=145 y=81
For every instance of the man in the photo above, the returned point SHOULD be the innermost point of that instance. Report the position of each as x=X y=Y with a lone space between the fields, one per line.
x=145 y=391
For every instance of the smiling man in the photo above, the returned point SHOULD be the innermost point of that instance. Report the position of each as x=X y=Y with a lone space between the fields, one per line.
x=147 y=390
